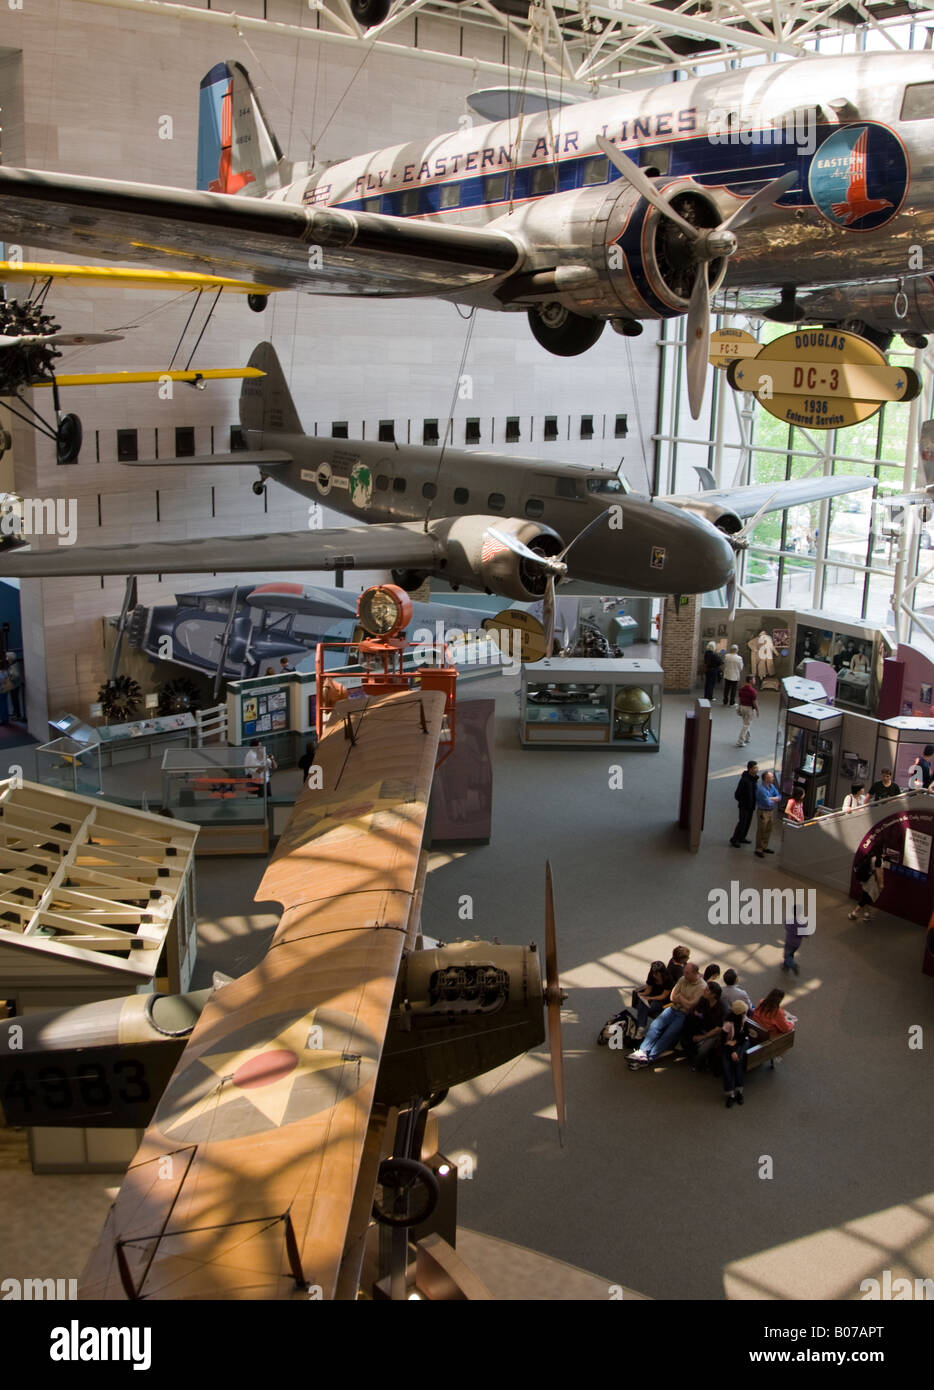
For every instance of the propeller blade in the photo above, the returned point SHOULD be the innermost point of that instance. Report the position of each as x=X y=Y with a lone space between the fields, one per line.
x=555 y=999
x=642 y=184
x=698 y=340
x=83 y=339
x=591 y=526
x=754 y=205
x=741 y=538
x=732 y=596
x=547 y=562
x=548 y=615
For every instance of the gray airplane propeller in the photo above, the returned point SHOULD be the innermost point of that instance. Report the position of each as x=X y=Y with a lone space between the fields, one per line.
x=707 y=244
x=740 y=541
x=555 y=566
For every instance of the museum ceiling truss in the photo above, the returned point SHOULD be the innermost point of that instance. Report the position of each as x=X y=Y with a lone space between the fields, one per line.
x=580 y=45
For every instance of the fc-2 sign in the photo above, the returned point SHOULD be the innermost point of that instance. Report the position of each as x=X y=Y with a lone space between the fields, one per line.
x=822 y=378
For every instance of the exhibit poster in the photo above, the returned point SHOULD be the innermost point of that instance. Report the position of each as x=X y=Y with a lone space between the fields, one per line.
x=264 y=712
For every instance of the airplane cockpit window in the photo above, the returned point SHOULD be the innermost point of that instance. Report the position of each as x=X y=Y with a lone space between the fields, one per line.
x=544 y=180
x=596 y=170
x=918 y=102
x=450 y=195
x=606 y=485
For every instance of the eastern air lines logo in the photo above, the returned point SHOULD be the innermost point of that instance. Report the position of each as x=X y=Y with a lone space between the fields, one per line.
x=859 y=177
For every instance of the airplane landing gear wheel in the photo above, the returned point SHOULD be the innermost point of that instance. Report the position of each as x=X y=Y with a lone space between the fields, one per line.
x=257 y=302
x=369 y=12
x=258 y=487
x=68 y=440
x=408 y=1179
x=562 y=332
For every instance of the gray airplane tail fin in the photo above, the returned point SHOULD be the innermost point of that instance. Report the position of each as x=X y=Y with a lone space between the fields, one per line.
x=266 y=403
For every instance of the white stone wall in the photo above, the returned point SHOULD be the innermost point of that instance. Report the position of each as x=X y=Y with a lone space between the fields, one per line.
x=88 y=98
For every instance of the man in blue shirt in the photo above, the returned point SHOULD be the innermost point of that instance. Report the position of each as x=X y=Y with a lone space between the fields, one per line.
x=768 y=797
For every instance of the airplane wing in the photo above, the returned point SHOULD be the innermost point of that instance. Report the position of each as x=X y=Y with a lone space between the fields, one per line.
x=119 y=277
x=746 y=501
x=260 y=1162
x=384 y=546
x=317 y=249
x=137 y=378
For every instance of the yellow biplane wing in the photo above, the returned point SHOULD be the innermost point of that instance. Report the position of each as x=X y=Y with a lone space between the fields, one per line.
x=120 y=277
x=135 y=378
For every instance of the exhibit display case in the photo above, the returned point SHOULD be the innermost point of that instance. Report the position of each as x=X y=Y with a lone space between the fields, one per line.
x=70 y=765
x=216 y=789
x=574 y=700
x=811 y=753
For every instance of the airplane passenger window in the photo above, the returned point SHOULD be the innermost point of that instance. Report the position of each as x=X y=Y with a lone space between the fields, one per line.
x=544 y=180
x=409 y=202
x=596 y=170
x=382 y=482
x=496 y=501
x=565 y=487
x=461 y=496
x=450 y=195
x=918 y=103
x=429 y=490
x=534 y=507
x=494 y=188
x=371 y=204
x=398 y=485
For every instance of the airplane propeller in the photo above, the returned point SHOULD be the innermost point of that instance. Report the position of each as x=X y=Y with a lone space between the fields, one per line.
x=554 y=997
x=707 y=244
x=555 y=566
x=740 y=541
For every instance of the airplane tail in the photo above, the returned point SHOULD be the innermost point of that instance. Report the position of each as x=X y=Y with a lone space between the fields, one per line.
x=266 y=403
x=237 y=150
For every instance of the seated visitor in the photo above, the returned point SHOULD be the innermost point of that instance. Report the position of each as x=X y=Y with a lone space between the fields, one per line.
x=770 y=1015
x=732 y=992
x=652 y=997
x=702 y=1030
x=666 y=1029
x=679 y=958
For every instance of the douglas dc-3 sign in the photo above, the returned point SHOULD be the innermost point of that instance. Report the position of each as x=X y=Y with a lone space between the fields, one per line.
x=821 y=379
x=743 y=179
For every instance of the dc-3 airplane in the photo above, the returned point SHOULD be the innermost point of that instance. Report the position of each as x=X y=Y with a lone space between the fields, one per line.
x=485 y=521
x=808 y=178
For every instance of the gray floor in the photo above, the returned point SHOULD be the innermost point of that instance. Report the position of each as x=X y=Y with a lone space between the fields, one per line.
x=822 y=1179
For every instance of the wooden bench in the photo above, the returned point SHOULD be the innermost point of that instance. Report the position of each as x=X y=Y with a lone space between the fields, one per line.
x=768 y=1048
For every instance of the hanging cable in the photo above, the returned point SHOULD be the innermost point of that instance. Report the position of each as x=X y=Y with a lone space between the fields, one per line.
x=449 y=422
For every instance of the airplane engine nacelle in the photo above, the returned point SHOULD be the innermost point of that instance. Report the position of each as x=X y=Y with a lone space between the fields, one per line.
x=474 y=558
x=714 y=512
x=459 y=1011
x=619 y=258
